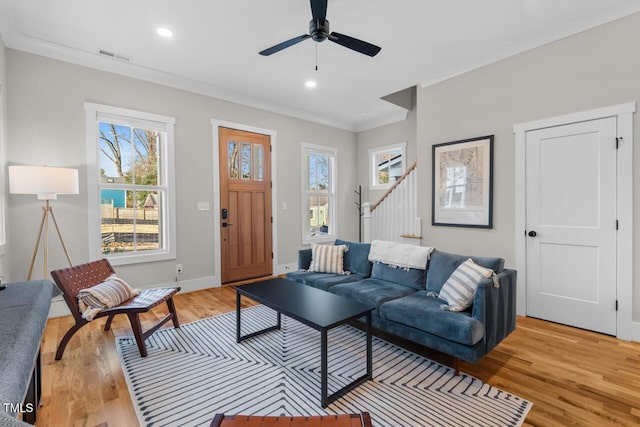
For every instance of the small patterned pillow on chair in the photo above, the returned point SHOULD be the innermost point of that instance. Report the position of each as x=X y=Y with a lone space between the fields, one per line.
x=113 y=291
x=328 y=258
x=460 y=288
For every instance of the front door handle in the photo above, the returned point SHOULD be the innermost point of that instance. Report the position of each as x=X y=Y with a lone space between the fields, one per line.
x=226 y=224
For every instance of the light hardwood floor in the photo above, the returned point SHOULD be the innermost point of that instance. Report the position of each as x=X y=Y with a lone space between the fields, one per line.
x=572 y=376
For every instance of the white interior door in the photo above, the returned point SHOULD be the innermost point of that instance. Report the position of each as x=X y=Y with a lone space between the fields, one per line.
x=571 y=224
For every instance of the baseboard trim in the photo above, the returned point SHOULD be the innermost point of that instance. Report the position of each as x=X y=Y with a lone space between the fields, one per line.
x=635 y=332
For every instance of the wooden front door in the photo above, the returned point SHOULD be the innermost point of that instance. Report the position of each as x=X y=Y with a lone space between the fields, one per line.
x=245 y=202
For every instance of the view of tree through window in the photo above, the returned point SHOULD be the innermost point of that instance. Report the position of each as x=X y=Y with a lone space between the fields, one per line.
x=387 y=165
x=130 y=195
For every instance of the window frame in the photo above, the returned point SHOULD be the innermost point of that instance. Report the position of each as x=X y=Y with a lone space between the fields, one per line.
x=96 y=113
x=374 y=152
x=332 y=152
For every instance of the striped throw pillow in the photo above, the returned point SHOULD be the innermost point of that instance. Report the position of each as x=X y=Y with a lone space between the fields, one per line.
x=328 y=258
x=460 y=289
x=113 y=291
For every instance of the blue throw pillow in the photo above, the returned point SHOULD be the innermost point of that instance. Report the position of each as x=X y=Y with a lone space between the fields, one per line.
x=443 y=264
x=356 y=259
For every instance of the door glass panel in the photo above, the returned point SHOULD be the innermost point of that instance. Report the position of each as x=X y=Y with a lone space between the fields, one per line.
x=233 y=159
x=258 y=162
x=246 y=160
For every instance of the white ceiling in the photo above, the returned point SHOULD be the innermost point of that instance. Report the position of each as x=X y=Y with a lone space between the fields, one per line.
x=215 y=46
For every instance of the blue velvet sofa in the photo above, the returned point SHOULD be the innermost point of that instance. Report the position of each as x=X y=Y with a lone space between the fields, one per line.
x=405 y=306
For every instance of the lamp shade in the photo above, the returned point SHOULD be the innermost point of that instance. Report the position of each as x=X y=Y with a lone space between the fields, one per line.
x=45 y=181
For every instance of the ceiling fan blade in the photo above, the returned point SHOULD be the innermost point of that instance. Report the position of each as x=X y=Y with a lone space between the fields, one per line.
x=319 y=10
x=355 y=44
x=284 y=45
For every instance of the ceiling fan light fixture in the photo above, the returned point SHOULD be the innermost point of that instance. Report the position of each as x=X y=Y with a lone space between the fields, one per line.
x=319 y=31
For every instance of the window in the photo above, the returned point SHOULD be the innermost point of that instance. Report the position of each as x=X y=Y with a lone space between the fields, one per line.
x=130 y=179
x=318 y=199
x=387 y=165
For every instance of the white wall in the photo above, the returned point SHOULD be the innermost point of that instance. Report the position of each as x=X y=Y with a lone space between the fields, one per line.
x=46 y=125
x=593 y=69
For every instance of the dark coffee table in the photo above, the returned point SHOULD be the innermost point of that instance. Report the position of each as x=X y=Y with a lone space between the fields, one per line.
x=315 y=308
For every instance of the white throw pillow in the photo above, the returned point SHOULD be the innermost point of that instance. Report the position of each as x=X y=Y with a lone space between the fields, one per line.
x=328 y=258
x=460 y=288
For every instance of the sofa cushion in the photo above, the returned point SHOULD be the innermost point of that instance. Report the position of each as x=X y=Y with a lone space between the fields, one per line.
x=327 y=258
x=356 y=259
x=460 y=287
x=443 y=264
x=412 y=277
x=421 y=311
x=321 y=280
x=371 y=291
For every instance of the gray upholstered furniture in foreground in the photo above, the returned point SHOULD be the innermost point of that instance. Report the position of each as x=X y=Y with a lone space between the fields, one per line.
x=24 y=308
x=406 y=307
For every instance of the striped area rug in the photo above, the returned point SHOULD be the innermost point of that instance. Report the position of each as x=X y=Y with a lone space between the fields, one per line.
x=199 y=370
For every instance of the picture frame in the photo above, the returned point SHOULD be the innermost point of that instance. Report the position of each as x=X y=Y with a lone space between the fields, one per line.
x=462 y=183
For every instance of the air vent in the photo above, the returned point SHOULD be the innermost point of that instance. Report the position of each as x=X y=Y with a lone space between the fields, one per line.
x=113 y=55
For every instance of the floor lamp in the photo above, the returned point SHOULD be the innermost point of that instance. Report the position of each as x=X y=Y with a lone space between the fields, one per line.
x=47 y=183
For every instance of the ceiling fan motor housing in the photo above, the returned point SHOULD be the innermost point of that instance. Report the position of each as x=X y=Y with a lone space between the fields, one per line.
x=319 y=30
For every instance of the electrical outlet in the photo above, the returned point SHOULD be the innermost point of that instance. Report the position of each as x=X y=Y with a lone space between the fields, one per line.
x=178 y=269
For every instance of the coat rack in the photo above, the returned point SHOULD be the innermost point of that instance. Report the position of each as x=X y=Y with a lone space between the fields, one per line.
x=359 y=207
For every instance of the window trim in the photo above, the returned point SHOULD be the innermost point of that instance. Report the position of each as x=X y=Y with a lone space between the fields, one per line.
x=333 y=184
x=373 y=152
x=166 y=124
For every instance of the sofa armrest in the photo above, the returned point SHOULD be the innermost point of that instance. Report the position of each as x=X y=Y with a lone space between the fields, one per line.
x=304 y=259
x=495 y=307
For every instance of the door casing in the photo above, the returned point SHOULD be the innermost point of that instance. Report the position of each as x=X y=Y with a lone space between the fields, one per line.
x=626 y=328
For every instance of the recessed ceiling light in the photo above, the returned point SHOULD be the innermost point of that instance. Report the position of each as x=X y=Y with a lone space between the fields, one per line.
x=310 y=84
x=164 y=32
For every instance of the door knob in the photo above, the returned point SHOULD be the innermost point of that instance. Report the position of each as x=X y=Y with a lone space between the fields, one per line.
x=532 y=234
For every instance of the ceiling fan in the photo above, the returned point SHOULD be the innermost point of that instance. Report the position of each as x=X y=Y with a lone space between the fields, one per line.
x=319 y=32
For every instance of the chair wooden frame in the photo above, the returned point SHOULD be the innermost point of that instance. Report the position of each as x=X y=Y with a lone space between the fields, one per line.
x=343 y=420
x=72 y=280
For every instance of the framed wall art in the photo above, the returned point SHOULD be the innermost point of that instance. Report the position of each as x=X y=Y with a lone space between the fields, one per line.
x=462 y=183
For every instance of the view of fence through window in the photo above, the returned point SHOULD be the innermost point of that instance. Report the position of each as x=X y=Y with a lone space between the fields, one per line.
x=131 y=194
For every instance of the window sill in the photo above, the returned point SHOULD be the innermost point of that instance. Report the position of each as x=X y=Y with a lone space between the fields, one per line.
x=127 y=259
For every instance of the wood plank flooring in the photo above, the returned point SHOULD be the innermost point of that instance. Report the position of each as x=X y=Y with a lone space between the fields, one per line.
x=573 y=377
